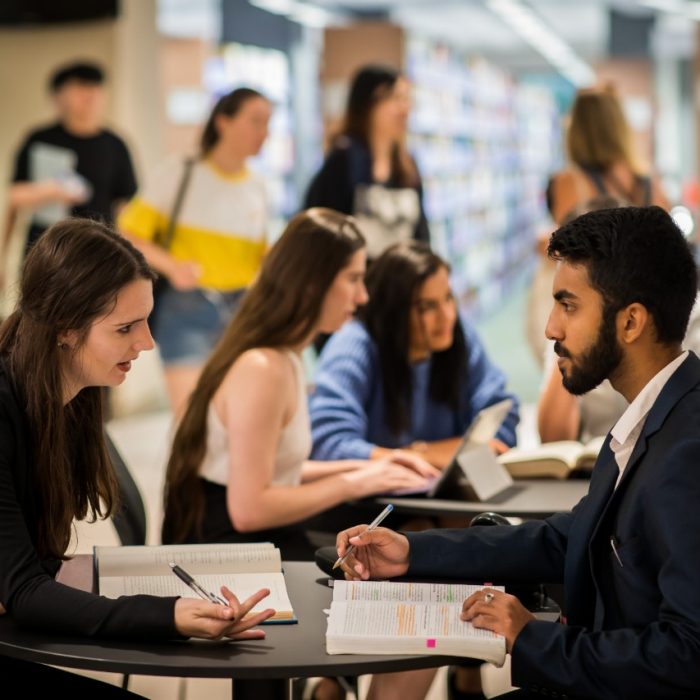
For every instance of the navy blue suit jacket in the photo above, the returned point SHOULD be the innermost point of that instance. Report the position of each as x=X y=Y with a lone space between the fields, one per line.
x=633 y=629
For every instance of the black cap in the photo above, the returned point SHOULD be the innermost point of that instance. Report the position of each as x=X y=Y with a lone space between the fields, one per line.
x=81 y=72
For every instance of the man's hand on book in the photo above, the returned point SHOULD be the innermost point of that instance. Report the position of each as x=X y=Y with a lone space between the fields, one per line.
x=379 y=553
x=496 y=611
x=199 y=618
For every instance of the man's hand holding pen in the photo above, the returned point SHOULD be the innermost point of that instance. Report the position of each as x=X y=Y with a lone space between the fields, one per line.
x=378 y=553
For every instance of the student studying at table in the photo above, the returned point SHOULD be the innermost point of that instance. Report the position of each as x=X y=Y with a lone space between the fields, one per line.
x=239 y=467
x=408 y=373
x=80 y=322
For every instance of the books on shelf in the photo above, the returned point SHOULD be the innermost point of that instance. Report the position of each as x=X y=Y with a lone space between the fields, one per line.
x=243 y=568
x=387 y=617
x=560 y=460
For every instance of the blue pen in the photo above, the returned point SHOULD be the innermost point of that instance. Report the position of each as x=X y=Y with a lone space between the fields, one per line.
x=375 y=523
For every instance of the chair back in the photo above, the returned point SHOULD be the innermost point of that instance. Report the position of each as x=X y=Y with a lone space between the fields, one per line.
x=130 y=518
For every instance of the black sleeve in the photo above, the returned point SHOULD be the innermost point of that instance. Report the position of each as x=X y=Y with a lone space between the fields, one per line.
x=124 y=186
x=29 y=592
x=21 y=169
x=332 y=186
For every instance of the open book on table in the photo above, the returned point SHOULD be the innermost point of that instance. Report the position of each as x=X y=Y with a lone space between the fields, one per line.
x=556 y=459
x=243 y=568
x=388 y=617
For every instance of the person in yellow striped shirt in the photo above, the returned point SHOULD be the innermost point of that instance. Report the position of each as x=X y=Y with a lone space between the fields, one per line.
x=218 y=241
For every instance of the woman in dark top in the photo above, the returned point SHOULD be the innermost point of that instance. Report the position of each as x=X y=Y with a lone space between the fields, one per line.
x=80 y=321
x=368 y=172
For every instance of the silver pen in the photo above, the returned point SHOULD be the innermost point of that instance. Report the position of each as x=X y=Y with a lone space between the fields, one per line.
x=196 y=587
x=613 y=545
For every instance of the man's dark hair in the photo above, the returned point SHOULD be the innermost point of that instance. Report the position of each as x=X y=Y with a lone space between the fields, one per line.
x=82 y=72
x=634 y=254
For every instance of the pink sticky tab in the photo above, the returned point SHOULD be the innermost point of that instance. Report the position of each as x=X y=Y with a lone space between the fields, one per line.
x=430 y=643
x=488 y=583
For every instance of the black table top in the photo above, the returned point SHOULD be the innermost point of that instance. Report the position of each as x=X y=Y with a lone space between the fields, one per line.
x=535 y=498
x=289 y=651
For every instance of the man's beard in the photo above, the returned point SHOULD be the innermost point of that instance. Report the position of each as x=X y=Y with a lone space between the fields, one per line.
x=596 y=364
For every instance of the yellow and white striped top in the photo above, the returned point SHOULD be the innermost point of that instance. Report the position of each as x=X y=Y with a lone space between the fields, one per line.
x=221 y=225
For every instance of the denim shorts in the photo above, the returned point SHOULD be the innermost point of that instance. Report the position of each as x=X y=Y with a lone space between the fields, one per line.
x=189 y=324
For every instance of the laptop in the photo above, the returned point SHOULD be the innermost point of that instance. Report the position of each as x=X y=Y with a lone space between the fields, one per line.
x=473 y=473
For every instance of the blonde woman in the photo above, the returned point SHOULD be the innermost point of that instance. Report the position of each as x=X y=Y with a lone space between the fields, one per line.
x=603 y=164
x=603 y=160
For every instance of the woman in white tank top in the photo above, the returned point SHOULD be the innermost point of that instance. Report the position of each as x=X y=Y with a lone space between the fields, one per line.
x=239 y=467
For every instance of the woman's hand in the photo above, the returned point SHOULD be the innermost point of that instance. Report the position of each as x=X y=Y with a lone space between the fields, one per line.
x=198 y=618
x=381 y=476
x=499 y=612
x=412 y=461
x=379 y=553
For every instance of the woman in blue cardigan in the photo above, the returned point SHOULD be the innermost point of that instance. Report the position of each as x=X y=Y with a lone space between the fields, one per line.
x=408 y=373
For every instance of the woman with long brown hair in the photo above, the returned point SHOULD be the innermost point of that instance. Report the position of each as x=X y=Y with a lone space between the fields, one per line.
x=210 y=247
x=369 y=172
x=239 y=466
x=80 y=322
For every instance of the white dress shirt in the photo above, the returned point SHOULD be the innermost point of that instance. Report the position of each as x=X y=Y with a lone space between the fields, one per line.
x=627 y=430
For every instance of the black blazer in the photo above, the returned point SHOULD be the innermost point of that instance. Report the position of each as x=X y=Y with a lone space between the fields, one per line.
x=633 y=626
x=27 y=586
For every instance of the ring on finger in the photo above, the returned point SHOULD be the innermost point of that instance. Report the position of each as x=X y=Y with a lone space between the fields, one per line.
x=488 y=598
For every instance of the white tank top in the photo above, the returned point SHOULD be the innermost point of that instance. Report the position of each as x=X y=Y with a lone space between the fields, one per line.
x=293 y=448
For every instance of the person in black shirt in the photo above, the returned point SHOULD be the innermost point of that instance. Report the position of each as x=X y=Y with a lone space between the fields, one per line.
x=74 y=166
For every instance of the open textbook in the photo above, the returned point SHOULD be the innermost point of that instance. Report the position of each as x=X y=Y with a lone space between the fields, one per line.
x=556 y=459
x=387 y=617
x=243 y=568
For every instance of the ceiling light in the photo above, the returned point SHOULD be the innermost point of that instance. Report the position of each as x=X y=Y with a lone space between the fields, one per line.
x=524 y=22
x=301 y=12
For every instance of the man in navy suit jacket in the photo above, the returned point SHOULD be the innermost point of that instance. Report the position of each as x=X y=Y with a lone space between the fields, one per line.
x=629 y=552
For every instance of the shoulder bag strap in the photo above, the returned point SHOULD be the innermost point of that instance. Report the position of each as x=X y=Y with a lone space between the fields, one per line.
x=645 y=185
x=167 y=238
x=596 y=178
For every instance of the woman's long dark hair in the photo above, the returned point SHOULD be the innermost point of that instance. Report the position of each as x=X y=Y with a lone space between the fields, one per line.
x=280 y=310
x=229 y=105
x=370 y=86
x=71 y=277
x=393 y=282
